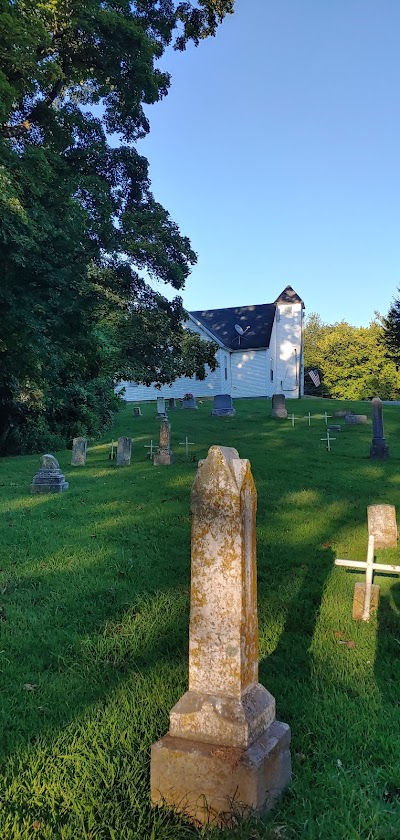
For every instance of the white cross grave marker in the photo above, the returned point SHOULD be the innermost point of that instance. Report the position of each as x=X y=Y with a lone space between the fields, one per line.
x=308 y=417
x=382 y=519
x=326 y=418
x=112 y=451
x=151 y=447
x=293 y=418
x=328 y=439
x=186 y=444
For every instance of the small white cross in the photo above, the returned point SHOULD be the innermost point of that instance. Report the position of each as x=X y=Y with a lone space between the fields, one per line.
x=326 y=419
x=328 y=440
x=292 y=418
x=186 y=444
x=112 y=456
x=151 y=447
x=370 y=567
x=308 y=417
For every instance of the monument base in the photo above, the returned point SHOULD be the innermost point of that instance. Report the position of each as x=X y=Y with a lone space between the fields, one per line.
x=379 y=450
x=358 y=600
x=279 y=413
x=161 y=458
x=214 y=784
x=223 y=412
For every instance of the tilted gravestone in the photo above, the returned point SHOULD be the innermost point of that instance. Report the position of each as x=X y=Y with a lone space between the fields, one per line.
x=161 y=407
x=124 y=452
x=379 y=448
x=279 y=406
x=356 y=419
x=164 y=454
x=172 y=403
x=79 y=449
x=223 y=406
x=224 y=744
x=341 y=413
x=49 y=479
x=137 y=411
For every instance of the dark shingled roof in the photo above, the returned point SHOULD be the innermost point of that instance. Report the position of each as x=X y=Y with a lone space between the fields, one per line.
x=221 y=322
x=259 y=318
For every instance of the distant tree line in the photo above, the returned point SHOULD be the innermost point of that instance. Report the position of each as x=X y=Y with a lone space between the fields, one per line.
x=354 y=363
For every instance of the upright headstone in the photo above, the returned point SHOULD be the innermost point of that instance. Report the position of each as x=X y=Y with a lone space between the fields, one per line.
x=172 y=403
x=279 y=406
x=223 y=406
x=161 y=407
x=137 y=411
x=189 y=402
x=79 y=448
x=164 y=454
x=124 y=451
x=379 y=448
x=224 y=745
x=49 y=479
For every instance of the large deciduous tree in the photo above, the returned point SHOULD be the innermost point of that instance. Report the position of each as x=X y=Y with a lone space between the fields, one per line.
x=79 y=225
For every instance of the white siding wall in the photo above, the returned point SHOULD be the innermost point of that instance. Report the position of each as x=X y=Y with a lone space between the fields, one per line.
x=207 y=387
x=249 y=373
x=288 y=340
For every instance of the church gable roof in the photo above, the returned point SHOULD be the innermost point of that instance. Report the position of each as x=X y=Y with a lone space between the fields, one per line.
x=255 y=321
x=288 y=296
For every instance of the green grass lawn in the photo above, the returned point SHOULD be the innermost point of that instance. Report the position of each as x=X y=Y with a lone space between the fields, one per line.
x=94 y=609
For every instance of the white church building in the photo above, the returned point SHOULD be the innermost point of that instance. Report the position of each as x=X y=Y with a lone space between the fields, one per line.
x=260 y=352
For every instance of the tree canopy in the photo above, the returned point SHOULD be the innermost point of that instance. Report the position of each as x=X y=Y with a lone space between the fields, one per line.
x=352 y=361
x=80 y=228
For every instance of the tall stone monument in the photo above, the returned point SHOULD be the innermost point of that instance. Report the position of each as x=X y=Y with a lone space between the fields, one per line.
x=379 y=448
x=49 y=479
x=279 y=406
x=225 y=751
x=79 y=450
x=124 y=452
x=164 y=454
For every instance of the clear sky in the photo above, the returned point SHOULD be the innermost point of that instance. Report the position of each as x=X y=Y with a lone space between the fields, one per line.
x=277 y=152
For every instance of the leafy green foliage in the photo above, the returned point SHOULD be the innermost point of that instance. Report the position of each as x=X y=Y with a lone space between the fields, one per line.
x=391 y=331
x=352 y=361
x=78 y=219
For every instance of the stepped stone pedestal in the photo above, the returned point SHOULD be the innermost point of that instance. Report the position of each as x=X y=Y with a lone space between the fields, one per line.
x=225 y=752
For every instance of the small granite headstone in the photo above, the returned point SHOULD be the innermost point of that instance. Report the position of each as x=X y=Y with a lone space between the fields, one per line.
x=172 y=403
x=334 y=428
x=124 y=451
x=189 y=403
x=49 y=479
x=379 y=448
x=356 y=419
x=79 y=448
x=382 y=525
x=279 y=406
x=137 y=412
x=223 y=406
x=161 y=407
x=164 y=454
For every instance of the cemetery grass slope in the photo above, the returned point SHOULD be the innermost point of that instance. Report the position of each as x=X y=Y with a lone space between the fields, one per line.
x=94 y=607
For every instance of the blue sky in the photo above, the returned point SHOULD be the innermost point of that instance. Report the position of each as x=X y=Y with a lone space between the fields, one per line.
x=277 y=152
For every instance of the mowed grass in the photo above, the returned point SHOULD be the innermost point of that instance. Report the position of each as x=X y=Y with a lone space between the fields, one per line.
x=94 y=609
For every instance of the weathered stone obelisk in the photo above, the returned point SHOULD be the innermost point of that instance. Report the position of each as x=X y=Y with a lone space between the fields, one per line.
x=379 y=448
x=225 y=751
x=164 y=453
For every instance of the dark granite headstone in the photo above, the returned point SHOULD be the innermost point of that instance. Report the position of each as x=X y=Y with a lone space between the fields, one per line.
x=223 y=406
x=172 y=403
x=334 y=428
x=189 y=403
x=79 y=448
x=49 y=479
x=124 y=451
x=379 y=448
x=279 y=406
